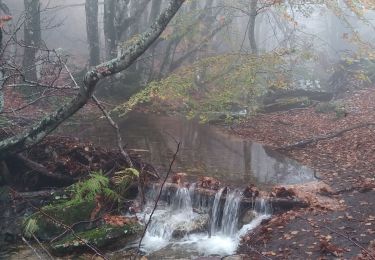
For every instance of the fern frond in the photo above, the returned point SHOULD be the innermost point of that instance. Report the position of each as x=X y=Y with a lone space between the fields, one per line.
x=30 y=227
x=123 y=179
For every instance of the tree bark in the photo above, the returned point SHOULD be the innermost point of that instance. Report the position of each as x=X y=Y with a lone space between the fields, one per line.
x=155 y=10
x=32 y=38
x=252 y=23
x=51 y=122
x=91 y=8
x=109 y=28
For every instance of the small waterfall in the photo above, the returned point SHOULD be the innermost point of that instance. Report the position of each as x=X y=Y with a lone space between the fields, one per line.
x=230 y=214
x=225 y=236
x=215 y=214
x=262 y=206
x=181 y=201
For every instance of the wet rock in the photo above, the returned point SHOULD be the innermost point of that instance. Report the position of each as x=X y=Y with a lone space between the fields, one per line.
x=235 y=257
x=100 y=237
x=198 y=224
x=251 y=191
x=247 y=217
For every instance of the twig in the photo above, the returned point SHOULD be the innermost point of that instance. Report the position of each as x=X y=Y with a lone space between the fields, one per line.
x=117 y=129
x=159 y=195
x=43 y=247
x=29 y=245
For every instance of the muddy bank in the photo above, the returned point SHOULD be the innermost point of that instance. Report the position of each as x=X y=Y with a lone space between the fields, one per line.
x=344 y=162
x=63 y=187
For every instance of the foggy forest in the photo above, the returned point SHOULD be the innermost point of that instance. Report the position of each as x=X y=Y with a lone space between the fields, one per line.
x=187 y=129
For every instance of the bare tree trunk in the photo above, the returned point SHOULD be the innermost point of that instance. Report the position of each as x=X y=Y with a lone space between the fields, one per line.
x=3 y=8
x=109 y=28
x=155 y=10
x=130 y=55
x=32 y=38
x=251 y=32
x=92 y=31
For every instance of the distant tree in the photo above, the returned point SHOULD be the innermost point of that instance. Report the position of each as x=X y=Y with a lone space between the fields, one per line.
x=110 y=33
x=49 y=123
x=91 y=8
x=32 y=38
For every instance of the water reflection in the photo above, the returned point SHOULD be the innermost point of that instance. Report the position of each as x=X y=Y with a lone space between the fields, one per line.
x=205 y=150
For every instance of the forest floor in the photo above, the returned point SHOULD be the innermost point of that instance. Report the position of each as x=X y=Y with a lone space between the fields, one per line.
x=346 y=228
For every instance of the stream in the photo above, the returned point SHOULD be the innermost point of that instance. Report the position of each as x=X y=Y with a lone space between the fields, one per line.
x=187 y=225
x=206 y=150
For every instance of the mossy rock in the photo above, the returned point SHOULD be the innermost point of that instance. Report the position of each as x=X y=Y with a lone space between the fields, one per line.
x=101 y=237
x=67 y=213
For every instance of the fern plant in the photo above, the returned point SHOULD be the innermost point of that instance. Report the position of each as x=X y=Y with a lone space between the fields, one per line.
x=122 y=179
x=30 y=226
x=98 y=184
x=84 y=192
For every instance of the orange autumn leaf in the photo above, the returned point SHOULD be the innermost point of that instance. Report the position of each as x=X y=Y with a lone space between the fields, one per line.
x=4 y=19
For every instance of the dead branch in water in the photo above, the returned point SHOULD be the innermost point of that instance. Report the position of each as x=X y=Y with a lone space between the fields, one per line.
x=159 y=195
x=303 y=143
x=117 y=129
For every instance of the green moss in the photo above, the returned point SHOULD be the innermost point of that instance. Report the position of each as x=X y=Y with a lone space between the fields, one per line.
x=99 y=237
x=67 y=213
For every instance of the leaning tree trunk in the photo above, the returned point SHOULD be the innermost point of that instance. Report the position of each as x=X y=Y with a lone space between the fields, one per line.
x=32 y=38
x=251 y=31
x=130 y=55
x=91 y=8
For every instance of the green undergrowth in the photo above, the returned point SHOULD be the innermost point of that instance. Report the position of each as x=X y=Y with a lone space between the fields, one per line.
x=78 y=205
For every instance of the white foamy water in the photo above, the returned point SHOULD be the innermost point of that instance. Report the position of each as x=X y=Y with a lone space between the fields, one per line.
x=221 y=236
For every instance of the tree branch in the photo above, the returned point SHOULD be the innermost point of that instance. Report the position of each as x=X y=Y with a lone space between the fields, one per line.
x=48 y=124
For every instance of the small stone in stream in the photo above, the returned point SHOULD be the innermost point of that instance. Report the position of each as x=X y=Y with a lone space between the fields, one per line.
x=247 y=217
